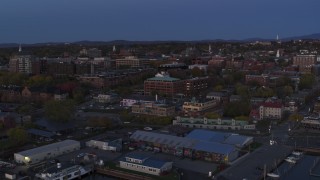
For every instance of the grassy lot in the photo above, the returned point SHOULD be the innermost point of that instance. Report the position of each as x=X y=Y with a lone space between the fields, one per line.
x=171 y=176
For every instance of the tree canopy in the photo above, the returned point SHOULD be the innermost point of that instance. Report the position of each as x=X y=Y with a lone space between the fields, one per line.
x=18 y=136
x=59 y=111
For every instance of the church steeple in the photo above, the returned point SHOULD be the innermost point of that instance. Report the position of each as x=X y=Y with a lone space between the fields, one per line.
x=20 y=49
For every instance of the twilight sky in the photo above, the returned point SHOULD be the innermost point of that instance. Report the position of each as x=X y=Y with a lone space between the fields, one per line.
x=33 y=21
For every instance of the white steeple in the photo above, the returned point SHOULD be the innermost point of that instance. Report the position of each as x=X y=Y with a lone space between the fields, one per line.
x=20 y=49
x=114 y=48
x=277 y=37
x=210 y=49
x=278 y=53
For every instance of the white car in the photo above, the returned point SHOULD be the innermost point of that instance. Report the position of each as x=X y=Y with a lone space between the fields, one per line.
x=81 y=155
x=148 y=128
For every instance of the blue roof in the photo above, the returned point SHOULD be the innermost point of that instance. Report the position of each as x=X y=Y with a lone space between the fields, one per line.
x=149 y=162
x=39 y=132
x=154 y=163
x=214 y=147
x=137 y=156
x=205 y=135
x=237 y=140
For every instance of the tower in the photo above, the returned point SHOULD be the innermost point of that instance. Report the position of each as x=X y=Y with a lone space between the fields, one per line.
x=278 y=54
x=210 y=51
x=20 y=49
x=114 y=48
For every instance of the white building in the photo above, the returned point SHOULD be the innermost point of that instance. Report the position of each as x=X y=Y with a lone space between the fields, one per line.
x=49 y=151
x=271 y=110
x=145 y=164
x=108 y=145
x=196 y=106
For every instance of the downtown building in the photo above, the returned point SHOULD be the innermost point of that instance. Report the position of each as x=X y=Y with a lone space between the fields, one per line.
x=163 y=84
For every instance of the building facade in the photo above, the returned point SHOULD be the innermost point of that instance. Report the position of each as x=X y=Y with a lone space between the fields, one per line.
x=198 y=106
x=153 y=109
x=49 y=151
x=132 y=62
x=163 y=84
x=108 y=145
x=205 y=123
x=145 y=164
x=271 y=110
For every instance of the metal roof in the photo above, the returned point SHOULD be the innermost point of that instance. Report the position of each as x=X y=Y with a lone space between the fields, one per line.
x=49 y=147
x=147 y=161
x=39 y=132
x=201 y=144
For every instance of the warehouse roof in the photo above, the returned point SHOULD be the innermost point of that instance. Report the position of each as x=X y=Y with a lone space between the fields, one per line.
x=238 y=140
x=185 y=142
x=206 y=135
x=39 y=132
x=48 y=147
x=219 y=137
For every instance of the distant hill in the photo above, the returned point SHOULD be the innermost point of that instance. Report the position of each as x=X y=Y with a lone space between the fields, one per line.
x=310 y=36
x=124 y=42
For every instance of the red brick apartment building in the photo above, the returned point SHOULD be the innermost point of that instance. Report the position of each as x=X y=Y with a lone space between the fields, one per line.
x=163 y=84
x=305 y=62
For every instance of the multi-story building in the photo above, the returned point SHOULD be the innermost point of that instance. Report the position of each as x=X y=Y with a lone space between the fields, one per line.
x=205 y=123
x=164 y=85
x=153 y=109
x=21 y=62
x=198 y=106
x=305 y=62
x=132 y=62
x=271 y=110
x=195 y=86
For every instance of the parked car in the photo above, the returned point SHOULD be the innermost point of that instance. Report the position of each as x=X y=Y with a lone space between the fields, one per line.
x=81 y=155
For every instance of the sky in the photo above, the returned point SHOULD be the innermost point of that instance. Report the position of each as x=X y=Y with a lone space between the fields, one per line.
x=38 y=21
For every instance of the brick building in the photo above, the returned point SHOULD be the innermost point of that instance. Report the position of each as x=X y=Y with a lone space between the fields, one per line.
x=305 y=62
x=163 y=84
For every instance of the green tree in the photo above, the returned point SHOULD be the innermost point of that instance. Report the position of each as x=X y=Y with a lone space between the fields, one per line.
x=242 y=118
x=39 y=80
x=242 y=90
x=264 y=92
x=234 y=109
x=100 y=122
x=218 y=88
x=18 y=136
x=306 y=81
x=59 y=111
x=212 y=115
x=295 y=117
